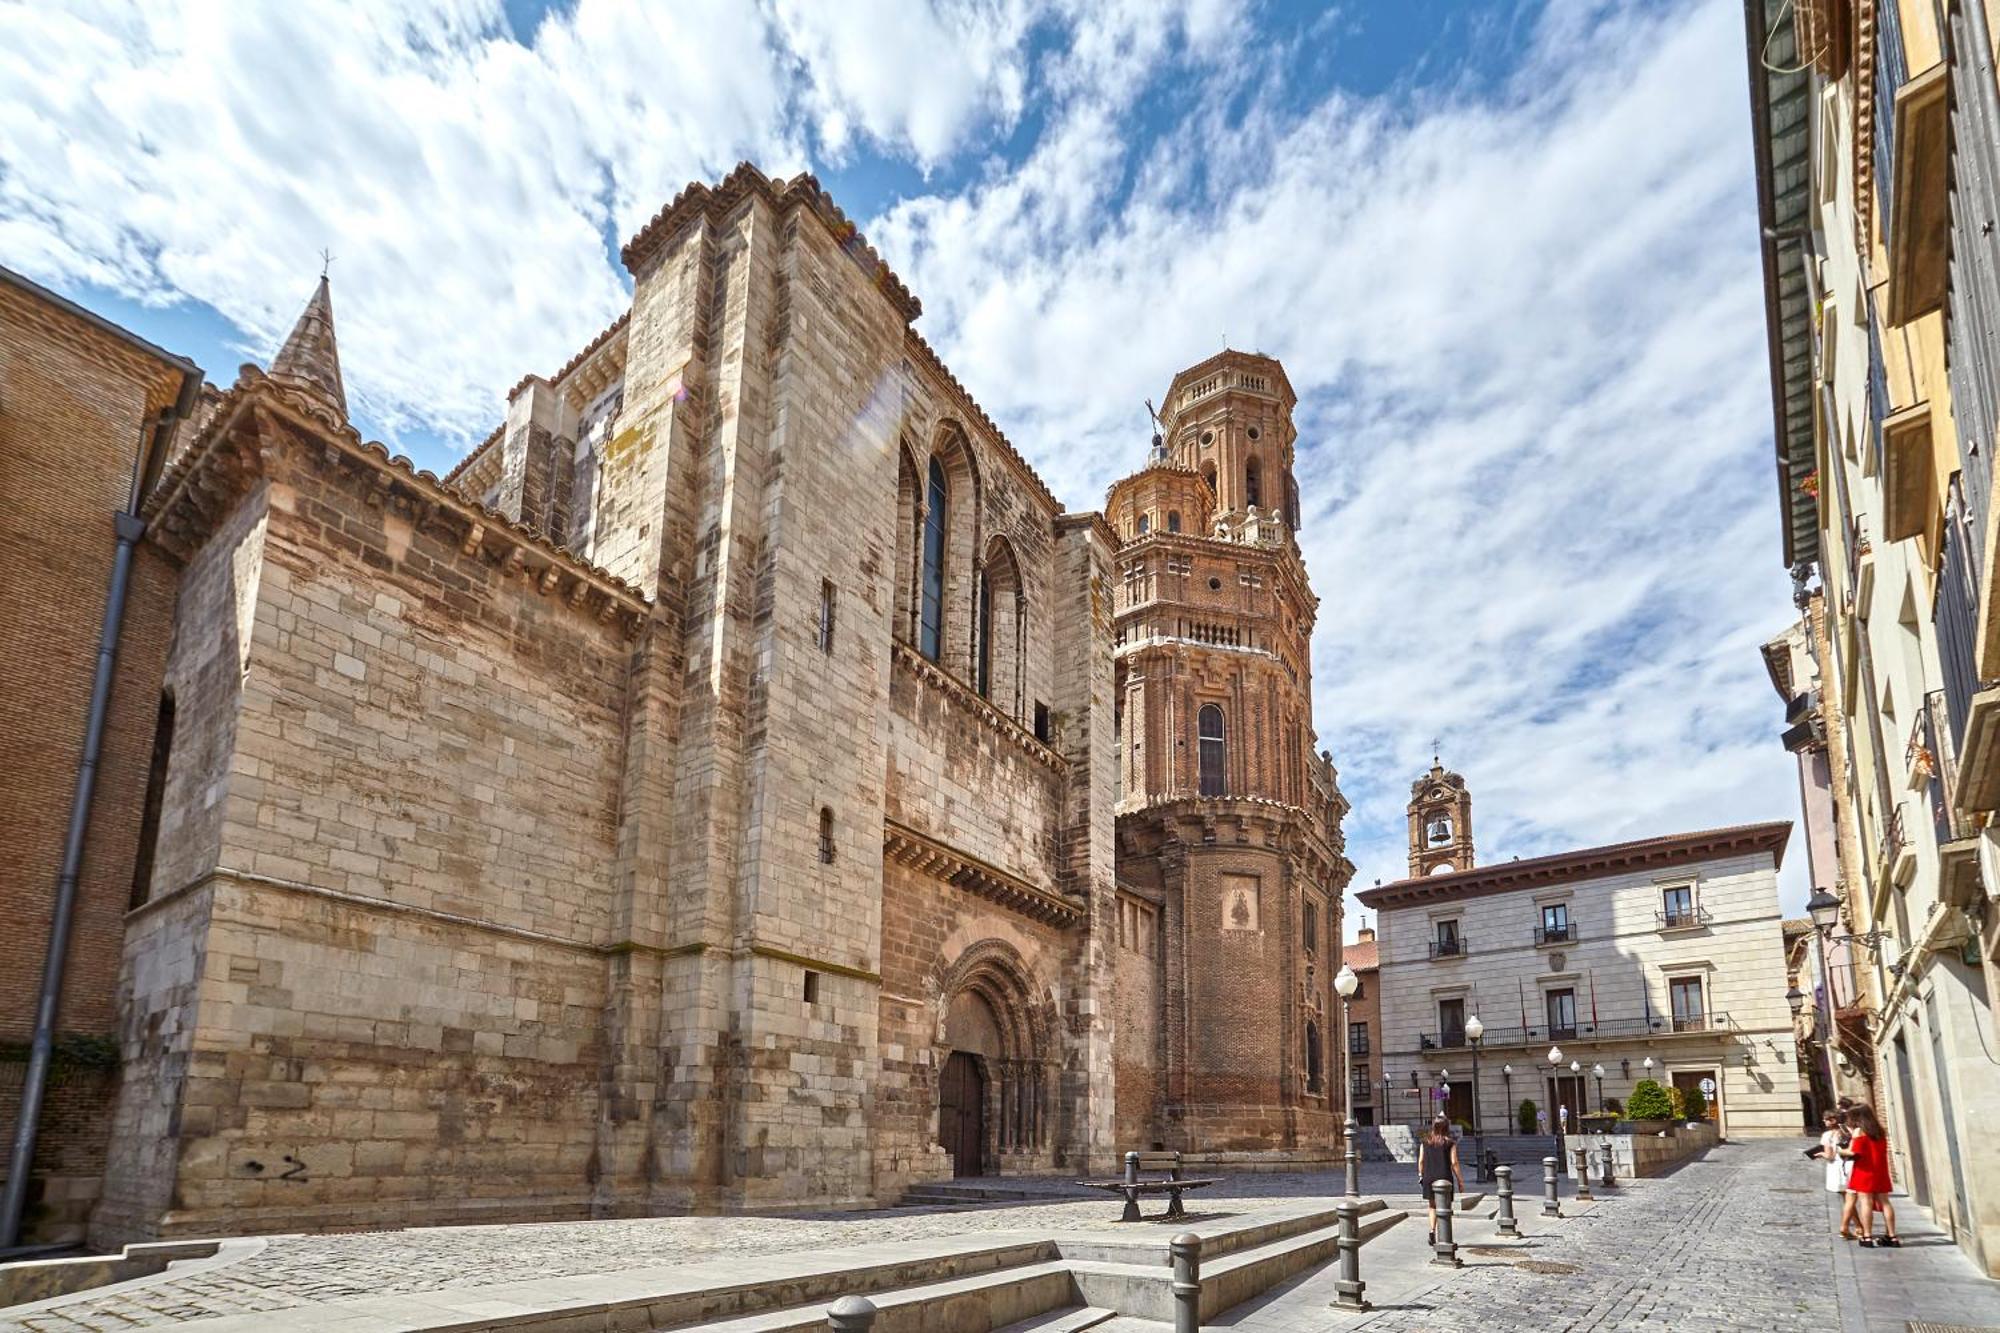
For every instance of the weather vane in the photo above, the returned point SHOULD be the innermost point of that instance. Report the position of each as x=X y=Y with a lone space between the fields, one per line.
x=325 y=261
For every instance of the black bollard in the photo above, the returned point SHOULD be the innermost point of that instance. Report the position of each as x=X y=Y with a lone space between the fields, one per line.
x=1446 y=1251
x=1348 y=1286
x=1131 y=1213
x=1583 y=1174
x=1550 y=1206
x=851 y=1314
x=1185 y=1250
x=1505 y=1213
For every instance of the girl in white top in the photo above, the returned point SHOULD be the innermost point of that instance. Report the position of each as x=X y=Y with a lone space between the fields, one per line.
x=1830 y=1144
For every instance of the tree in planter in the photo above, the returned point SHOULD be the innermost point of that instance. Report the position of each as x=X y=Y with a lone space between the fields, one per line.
x=1694 y=1105
x=1524 y=1116
x=1677 y=1103
x=1649 y=1101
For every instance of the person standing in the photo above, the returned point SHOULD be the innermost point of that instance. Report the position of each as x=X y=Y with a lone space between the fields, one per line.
x=1868 y=1150
x=1831 y=1142
x=1437 y=1159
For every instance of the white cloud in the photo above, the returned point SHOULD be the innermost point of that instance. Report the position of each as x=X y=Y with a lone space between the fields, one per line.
x=1524 y=320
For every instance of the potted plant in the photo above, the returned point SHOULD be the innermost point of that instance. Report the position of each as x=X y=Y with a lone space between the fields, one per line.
x=1524 y=1116
x=1649 y=1109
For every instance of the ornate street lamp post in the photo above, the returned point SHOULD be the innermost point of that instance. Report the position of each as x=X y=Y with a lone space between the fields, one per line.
x=1555 y=1115
x=1474 y=1030
x=1598 y=1070
x=1346 y=983
x=1507 y=1090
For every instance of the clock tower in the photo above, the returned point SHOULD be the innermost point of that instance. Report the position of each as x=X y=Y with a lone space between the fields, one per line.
x=1440 y=822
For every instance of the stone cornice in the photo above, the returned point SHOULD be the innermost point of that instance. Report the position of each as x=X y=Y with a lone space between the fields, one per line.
x=1093 y=521
x=231 y=445
x=906 y=846
x=914 y=345
x=995 y=721
x=1677 y=849
x=802 y=191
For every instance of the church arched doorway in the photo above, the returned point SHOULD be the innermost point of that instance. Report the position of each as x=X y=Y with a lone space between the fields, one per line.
x=962 y=1113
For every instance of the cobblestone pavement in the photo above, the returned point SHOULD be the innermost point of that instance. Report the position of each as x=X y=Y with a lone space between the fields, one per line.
x=1739 y=1240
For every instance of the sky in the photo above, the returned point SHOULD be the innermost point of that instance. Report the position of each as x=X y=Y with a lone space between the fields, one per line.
x=1506 y=252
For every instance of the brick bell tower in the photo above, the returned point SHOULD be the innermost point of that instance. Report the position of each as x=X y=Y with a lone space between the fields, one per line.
x=1440 y=822
x=1229 y=838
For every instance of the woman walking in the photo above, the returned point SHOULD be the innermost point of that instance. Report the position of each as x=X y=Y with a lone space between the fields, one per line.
x=1831 y=1142
x=1437 y=1159
x=1868 y=1182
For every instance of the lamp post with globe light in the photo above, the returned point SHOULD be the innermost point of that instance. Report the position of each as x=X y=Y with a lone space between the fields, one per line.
x=1598 y=1070
x=1346 y=983
x=1474 y=1030
x=1507 y=1090
x=1555 y=1114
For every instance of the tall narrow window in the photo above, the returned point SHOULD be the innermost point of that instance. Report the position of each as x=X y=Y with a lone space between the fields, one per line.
x=1311 y=928
x=1685 y=993
x=826 y=835
x=1214 y=750
x=156 y=788
x=930 y=626
x=826 y=615
x=982 y=619
x=1253 y=489
x=1173 y=520
x=1145 y=524
x=1451 y=1021
x=1313 y=1059
x=1291 y=504
x=1560 y=1006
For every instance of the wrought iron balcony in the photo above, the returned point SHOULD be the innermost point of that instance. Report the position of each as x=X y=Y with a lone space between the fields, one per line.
x=1555 y=934
x=1682 y=918
x=1453 y=948
x=1691 y=1022
x=1609 y=1028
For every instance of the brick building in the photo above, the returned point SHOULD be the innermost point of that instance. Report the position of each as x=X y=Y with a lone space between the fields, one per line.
x=739 y=783
x=88 y=413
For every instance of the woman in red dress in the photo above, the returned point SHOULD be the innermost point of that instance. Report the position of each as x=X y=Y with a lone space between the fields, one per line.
x=1869 y=1181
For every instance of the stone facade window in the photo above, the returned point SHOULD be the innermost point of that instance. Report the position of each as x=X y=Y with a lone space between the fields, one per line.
x=156 y=787
x=1253 y=487
x=1311 y=927
x=930 y=621
x=1173 y=520
x=812 y=988
x=826 y=835
x=1313 y=1058
x=826 y=611
x=1145 y=524
x=1214 y=744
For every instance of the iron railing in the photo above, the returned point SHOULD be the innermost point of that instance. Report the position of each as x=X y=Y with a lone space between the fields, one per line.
x=1955 y=613
x=1453 y=948
x=1682 y=918
x=1691 y=1022
x=1893 y=837
x=1555 y=934
x=1622 y=1025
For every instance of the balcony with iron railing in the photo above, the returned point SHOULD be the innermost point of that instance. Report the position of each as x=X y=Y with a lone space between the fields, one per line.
x=1565 y=934
x=1616 y=1028
x=1692 y=917
x=1450 y=948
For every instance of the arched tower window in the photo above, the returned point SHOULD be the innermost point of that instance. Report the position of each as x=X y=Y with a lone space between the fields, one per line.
x=1173 y=520
x=982 y=625
x=930 y=625
x=1253 y=490
x=1214 y=749
x=1312 y=1057
x=1145 y=524
x=1291 y=504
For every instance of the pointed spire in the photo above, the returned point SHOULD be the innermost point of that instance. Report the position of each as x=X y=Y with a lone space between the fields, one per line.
x=309 y=360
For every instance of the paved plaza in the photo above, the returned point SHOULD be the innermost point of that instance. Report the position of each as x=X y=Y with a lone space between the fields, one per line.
x=1739 y=1240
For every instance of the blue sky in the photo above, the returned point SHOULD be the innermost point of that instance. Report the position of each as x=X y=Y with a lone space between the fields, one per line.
x=1507 y=253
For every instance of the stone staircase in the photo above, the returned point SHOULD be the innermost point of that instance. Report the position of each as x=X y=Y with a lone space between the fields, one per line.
x=1386 y=1143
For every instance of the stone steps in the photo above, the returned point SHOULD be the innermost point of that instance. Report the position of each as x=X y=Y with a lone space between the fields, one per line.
x=972 y=1304
x=1072 y=1319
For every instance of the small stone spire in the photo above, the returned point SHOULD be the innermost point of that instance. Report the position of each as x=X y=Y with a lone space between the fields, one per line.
x=309 y=360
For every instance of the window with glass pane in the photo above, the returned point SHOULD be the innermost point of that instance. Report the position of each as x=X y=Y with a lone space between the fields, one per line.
x=1214 y=750
x=1555 y=921
x=1447 y=937
x=1561 y=1005
x=1451 y=1022
x=1678 y=904
x=982 y=619
x=1357 y=1039
x=1685 y=993
x=1312 y=928
x=931 y=618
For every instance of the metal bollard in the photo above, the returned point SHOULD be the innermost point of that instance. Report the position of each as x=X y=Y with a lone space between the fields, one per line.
x=1583 y=1174
x=1348 y=1286
x=1505 y=1214
x=1607 y=1180
x=1446 y=1250
x=1353 y=1160
x=1185 y=1250
x=851 y=1314
x=1131 y=1213
x=1550 y=1205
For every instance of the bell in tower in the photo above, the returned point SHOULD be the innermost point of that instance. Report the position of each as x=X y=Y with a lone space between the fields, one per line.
x=1440 y=822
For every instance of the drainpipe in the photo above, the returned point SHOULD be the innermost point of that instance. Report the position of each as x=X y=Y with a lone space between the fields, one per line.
x=129 y=528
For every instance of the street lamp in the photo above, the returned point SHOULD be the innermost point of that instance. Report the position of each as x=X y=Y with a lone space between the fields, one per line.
x=1598 y=1070
x=1346 y=983
x=1474 y=1030
x=1507 y=1085
x=1555 y=1114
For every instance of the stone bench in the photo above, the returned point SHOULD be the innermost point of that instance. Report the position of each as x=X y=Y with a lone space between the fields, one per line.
x=1166 y=1179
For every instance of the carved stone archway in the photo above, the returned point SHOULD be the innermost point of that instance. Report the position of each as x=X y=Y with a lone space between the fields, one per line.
x=990 y=1008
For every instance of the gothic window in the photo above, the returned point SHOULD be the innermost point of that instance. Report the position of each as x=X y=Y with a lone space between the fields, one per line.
x=982 y=625
x=1253 y=490
x=826 y=835
x=930 y=638
x=1312 y=1057
x=1173 y=520
x=1214 y=749
x=156 y=788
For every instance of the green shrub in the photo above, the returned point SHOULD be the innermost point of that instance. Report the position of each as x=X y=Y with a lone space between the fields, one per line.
x=1694 y=1106
x=1677 y=1106
x=1525 y=1116
x=1649 y=1101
